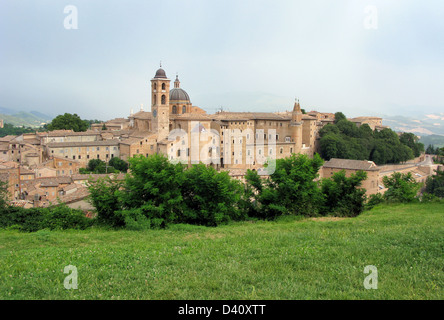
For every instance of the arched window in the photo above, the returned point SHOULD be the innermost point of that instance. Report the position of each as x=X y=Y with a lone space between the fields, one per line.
x=184 y=109
x=163 y=99
x=163 y=86
x=154 y=100
x=174 y=109
x=155 y=86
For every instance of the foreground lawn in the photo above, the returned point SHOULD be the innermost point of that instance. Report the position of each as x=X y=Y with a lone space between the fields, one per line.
x=288 y=259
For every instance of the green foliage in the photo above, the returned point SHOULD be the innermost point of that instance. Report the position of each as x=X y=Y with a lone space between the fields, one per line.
x=339 y=116
x=345 y=140
x=401 y=187
x=118 y=164
x=435 y=184
x=373 y=200
x=411 y=141
x=27 y=220
x=154 y=187
x=291 y=189
x=68 y=122
x=9 y=129
x=104 y=195
x=343 y=196
x=55 y=217
x=63 y=217
x=210 y=197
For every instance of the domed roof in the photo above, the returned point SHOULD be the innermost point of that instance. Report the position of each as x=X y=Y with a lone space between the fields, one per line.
x=178 y=94
x=160 y=74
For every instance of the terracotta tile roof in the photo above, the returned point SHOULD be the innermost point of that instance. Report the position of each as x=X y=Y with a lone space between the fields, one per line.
x=243 y=116
x=351 y=164
x=111 y=142
x=62 y=133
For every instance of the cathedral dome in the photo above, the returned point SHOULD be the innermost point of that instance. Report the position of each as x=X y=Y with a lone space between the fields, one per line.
x=178 y=94
x=160 y=74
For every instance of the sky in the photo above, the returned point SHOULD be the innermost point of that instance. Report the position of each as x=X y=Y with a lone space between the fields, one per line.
x=361 y=57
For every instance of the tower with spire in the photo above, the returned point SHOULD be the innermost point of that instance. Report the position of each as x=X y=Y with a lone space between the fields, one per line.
x=296 y=126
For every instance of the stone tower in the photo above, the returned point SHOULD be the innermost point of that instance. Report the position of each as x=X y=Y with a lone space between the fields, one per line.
x=296 y=127
x=160 y=101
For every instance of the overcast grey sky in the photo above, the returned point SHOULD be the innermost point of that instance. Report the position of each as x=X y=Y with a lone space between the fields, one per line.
x=243 y=55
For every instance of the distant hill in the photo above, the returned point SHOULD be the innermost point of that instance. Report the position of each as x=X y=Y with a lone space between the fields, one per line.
x=427 y=124
x=434 y=140
x=31 y=119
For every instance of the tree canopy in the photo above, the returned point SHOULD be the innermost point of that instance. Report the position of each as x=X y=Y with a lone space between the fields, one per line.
x=68 y=121
x=345 y=140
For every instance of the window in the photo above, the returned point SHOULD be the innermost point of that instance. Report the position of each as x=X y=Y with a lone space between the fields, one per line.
x=98 y=156
x=281 y=150
x=287 y=139
x=163 y=100
x=163 y=86
x=155 y=86
x=87 y=156
x=174 y=110
x=184 y=109
x=98 y=148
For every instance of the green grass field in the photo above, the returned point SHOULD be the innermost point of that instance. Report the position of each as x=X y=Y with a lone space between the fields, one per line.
x=292 y=258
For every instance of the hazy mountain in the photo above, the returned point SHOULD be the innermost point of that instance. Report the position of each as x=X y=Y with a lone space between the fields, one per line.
x=434 y=140
x=422 y=125
x=26 y=119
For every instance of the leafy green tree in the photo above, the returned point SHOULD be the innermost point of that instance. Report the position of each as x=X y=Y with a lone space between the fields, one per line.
x=154 y=189
x=291 y=189
x=210 y=197
x=401 y=187
x=411 y=140
x=339 y=116
x=435 y=184
x=104 y=195
x=119 y=164
x=68 y=121
x=343 y=196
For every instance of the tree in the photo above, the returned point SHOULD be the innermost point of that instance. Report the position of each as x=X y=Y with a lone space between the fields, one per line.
x=104 y=195
x=339 y=116
x=291 y=189
x=401 y=187
x=119 y=164
x=410 y=140
x=210 y=197
x=435 y=184
x=153 y=190
x=68 y=122
x=343 y=196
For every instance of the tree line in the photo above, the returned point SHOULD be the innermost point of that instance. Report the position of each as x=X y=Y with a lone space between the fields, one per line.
x=157 y=193
x=345 y=140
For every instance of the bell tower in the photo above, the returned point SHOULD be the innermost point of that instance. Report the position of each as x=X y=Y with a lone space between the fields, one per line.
x=160 y=101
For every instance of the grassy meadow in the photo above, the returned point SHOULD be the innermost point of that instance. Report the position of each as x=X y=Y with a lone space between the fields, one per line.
x=292 y=258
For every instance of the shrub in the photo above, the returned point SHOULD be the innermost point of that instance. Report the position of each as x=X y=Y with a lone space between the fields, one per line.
x=104 y=195
x=27 y=220
x=343 y=196
x=401 y=187
x=63 y=217
x=291 y=189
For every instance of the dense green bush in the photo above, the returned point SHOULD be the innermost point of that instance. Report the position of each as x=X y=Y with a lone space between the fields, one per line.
x=63 y=217
x=342 y=195
x=33 y=219
x=345 y=140
x=290 y=189
x=28 y=220
x=401 y=187
x=210 y=197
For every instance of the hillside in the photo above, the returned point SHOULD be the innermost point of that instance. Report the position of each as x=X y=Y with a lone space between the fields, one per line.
x=293 y=258
x=32 y=119
x=434 y=140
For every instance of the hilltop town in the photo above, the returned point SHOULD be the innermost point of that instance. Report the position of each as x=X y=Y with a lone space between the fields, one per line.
x=44 y=167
